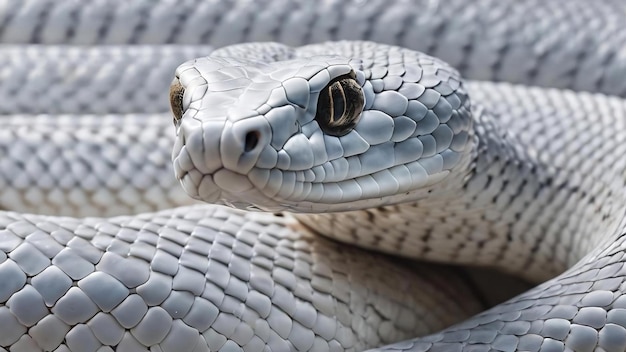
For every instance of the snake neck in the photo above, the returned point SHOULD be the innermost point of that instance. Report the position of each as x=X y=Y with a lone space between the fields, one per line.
x=506 y=209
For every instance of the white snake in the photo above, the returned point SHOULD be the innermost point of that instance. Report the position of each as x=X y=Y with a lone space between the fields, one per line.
x=527 y=180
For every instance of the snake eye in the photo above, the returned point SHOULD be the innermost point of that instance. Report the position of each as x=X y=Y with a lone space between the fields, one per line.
x=339 y=105
x=176 y=100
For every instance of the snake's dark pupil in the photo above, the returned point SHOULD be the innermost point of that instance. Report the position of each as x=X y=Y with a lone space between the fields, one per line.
x=176 y=100
x=339 y=105
x=337 y=101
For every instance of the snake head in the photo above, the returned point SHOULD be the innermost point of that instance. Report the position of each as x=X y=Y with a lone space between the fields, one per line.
x=367 y=125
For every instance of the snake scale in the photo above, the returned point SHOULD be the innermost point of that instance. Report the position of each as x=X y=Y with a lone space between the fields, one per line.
x=374 y=145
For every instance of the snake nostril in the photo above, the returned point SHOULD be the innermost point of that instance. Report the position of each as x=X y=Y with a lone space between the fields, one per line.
x=252 y=139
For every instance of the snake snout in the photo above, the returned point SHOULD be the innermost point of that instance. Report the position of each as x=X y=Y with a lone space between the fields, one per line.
x=242 y=143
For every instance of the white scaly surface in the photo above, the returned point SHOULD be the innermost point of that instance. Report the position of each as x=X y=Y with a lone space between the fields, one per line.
x=584 y=316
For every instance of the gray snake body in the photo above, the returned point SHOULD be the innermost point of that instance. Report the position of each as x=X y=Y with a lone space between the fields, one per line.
x=536 y=184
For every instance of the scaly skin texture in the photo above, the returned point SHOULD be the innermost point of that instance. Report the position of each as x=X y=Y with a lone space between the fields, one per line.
x=206 y=278
x=511 y=205
x=532 y=212
x=87 y=165
x=562 y=43
x=511 y=105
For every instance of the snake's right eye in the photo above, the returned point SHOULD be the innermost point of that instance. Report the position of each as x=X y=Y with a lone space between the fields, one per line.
x=176 y=100
x=339 y=105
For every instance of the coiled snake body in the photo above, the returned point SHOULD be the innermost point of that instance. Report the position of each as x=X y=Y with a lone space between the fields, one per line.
x=375 y=145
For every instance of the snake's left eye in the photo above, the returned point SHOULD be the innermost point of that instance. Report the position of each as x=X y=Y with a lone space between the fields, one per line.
x=339 y=105
x=176 y=100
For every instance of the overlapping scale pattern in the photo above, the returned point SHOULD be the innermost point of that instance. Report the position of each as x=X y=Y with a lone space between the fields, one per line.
x=204 y=278
x=516 y=41
x=276 y=102
x=87 y=165
x=50 y=266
